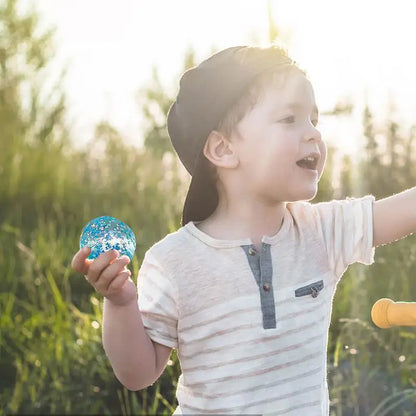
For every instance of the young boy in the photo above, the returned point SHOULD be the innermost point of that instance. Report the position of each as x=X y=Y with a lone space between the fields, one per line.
x=244 y=289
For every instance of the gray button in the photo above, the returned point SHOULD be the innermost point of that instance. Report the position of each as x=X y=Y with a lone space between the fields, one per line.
x=314 y=292
x=252 y=251
x=266 y=287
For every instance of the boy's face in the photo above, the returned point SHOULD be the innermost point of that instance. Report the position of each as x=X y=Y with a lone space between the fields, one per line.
x=273 y=139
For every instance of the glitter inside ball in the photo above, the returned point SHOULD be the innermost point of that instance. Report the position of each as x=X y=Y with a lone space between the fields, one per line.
x=107 y=233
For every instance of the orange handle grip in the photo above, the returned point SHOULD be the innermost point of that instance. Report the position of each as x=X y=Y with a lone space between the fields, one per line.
x=385 y=313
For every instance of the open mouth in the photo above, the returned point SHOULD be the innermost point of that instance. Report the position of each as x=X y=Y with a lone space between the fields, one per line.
x=309 y=162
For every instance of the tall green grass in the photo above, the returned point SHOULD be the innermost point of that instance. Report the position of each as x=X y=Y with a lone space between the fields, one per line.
x=51 y=358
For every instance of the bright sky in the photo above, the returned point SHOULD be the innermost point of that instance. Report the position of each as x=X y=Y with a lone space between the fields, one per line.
x=359 y=49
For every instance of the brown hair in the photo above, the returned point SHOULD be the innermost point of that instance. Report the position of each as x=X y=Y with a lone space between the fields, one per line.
x=253 y=92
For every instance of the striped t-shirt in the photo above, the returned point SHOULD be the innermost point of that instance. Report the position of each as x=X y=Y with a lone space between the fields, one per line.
x=251 y=328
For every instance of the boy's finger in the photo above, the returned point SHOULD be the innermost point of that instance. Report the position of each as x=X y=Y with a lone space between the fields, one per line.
x=100 y=263
x=79 y=263
x=118 y=282
x=118 y=265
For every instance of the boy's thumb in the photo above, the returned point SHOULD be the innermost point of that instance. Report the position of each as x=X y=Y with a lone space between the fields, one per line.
x=86 y=250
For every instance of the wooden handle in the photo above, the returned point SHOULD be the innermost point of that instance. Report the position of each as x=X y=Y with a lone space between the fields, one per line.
x=385 y=313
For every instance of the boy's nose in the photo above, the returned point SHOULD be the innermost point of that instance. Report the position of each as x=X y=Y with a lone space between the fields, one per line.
x=313 y=135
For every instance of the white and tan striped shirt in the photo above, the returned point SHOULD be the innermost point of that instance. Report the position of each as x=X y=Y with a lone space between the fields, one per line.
x=251 y=327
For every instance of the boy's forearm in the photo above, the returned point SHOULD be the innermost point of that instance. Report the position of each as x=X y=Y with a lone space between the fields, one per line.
x=394 y=217
x=129 y=349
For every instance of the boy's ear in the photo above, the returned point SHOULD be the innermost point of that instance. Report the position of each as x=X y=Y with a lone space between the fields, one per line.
x=220 y=151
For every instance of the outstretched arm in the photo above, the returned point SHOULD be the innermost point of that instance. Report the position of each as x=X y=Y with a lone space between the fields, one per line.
x=394 y=217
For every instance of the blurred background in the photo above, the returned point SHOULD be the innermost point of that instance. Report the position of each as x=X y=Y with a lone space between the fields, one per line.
x=84 y=91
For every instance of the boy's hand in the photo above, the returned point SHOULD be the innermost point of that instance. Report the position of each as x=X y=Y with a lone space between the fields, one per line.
x=107 y=274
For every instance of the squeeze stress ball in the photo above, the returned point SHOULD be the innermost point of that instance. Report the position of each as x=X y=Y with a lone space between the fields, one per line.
x=107 y=233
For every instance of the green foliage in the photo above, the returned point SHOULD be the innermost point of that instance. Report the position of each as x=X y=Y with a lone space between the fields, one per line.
x=370 y=370
x=51 y=356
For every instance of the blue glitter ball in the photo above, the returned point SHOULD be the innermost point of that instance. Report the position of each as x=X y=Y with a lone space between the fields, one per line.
x=107 y=233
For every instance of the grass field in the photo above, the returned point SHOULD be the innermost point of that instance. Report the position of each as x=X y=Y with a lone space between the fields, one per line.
x=52 y=360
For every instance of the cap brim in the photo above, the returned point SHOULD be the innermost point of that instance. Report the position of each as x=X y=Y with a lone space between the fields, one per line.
x=202 y=197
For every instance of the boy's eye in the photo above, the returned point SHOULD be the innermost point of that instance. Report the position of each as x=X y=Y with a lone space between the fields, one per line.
x=292 y=119
x=288 y=120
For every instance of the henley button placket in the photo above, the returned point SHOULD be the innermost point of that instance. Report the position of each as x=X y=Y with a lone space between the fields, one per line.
x=262 y=269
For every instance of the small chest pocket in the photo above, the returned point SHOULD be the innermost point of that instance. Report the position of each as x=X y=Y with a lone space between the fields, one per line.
x=312 y=289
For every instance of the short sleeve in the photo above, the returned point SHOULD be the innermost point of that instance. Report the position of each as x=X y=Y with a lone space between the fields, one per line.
x=347 y=231
x=157 y=303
